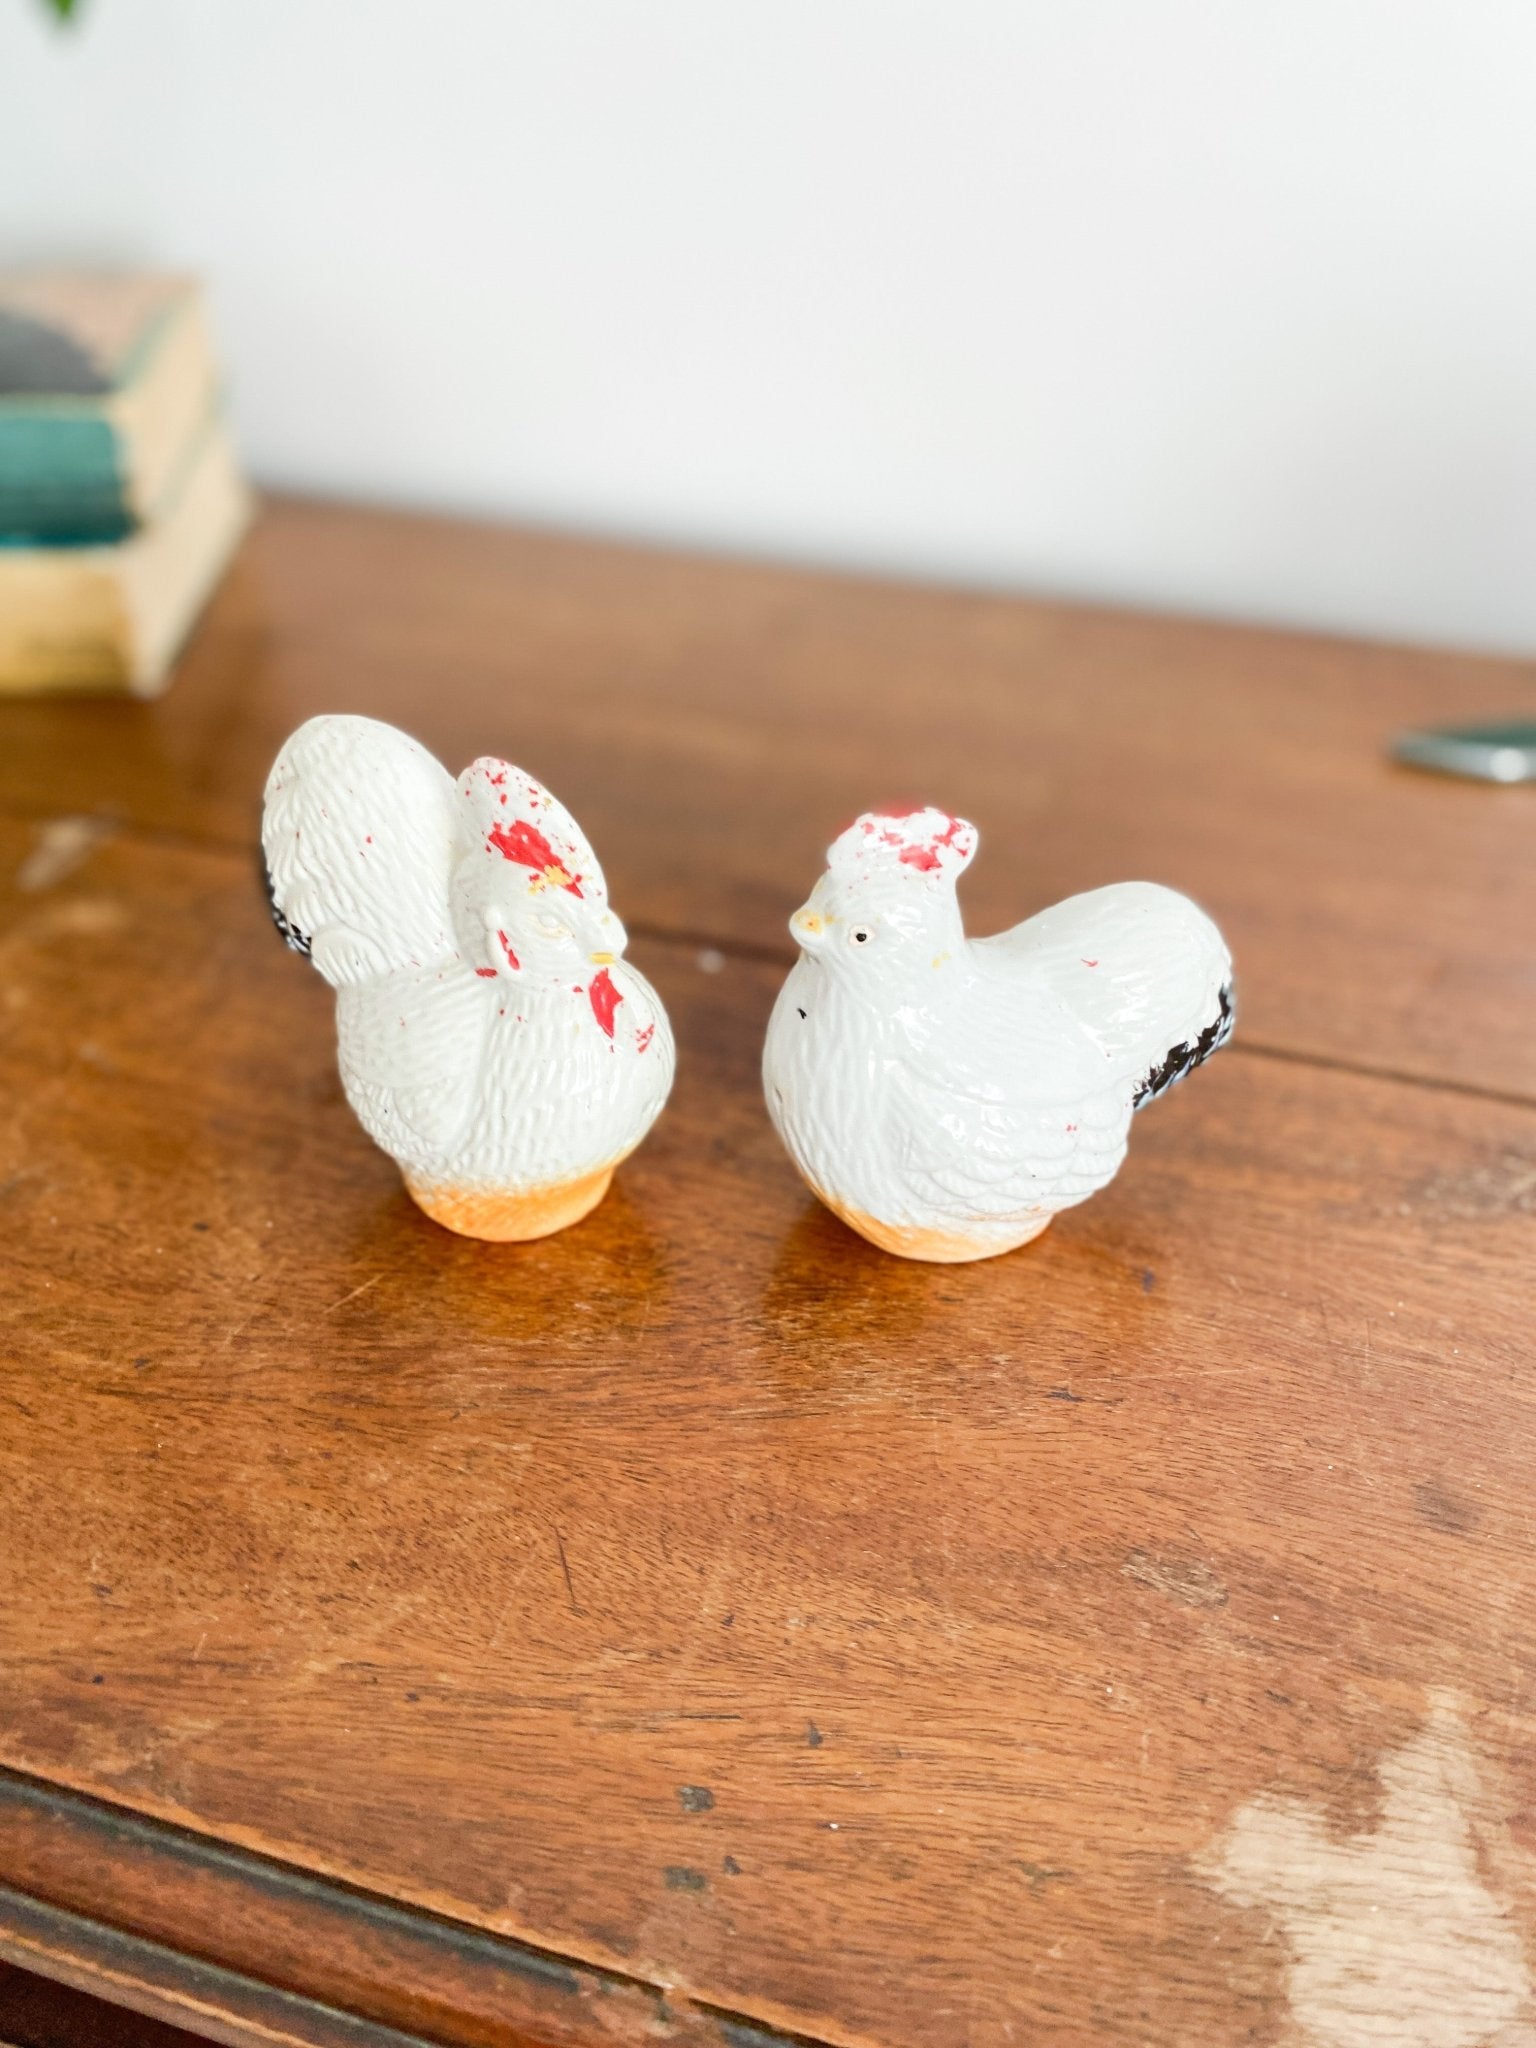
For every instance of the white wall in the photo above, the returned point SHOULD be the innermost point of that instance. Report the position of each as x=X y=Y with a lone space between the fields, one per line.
x=1220 y=304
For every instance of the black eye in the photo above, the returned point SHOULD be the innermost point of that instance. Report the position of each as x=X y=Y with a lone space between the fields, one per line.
x=860 y=935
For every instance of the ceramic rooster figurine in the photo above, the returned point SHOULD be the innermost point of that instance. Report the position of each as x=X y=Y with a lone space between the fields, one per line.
x=491 y=1038
x=945 y=1096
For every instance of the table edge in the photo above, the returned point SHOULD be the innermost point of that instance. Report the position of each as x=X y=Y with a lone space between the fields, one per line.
x=206 y=1933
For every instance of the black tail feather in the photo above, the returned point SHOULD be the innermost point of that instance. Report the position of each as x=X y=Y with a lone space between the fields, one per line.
x=1184 y=1057
x=288 y=931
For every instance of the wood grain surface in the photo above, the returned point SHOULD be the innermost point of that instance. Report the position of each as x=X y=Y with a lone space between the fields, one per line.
x=713 y=724
x=698 y=1626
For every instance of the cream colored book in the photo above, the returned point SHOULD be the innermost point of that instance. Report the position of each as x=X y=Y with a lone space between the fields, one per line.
x=114 y=617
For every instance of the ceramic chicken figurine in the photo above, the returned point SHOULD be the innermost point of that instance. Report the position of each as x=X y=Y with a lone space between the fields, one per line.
x=491 y=1038
x=945 y=1096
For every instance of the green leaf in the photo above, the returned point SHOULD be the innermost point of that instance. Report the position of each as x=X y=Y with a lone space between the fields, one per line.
x=63 y=10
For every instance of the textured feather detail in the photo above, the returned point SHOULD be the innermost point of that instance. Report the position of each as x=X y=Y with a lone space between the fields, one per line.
x=359 y=838
x=963 y=1162
x=358 y=833
x=411 y=1050
x=1139 y=967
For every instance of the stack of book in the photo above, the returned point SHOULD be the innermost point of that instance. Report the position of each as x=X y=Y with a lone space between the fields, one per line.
x=120 y=497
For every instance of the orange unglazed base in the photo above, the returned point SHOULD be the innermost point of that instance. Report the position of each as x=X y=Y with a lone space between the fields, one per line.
x=500 y=1216
x=938 y=1247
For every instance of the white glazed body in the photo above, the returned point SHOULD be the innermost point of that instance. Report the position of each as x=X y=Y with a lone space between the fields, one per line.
x=946 y=1097
x=506 y=1067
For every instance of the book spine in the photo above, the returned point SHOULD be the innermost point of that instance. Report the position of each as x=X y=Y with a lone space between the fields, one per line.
x=63 y=478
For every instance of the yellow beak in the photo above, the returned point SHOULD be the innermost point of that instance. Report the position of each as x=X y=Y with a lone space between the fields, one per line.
x=807 y=924
x=602 y=959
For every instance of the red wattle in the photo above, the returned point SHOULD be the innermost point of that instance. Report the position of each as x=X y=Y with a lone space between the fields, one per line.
x=605 y=999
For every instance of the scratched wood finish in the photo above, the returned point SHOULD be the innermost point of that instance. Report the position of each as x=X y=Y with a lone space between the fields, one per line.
x=249 y=1948
x=713 y=724
x=873 y=1652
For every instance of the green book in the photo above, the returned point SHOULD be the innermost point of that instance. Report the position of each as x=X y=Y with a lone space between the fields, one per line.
x=105 y=383
x=112 y=617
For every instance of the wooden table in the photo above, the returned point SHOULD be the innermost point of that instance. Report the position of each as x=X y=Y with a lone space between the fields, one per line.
x=697 y=1627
